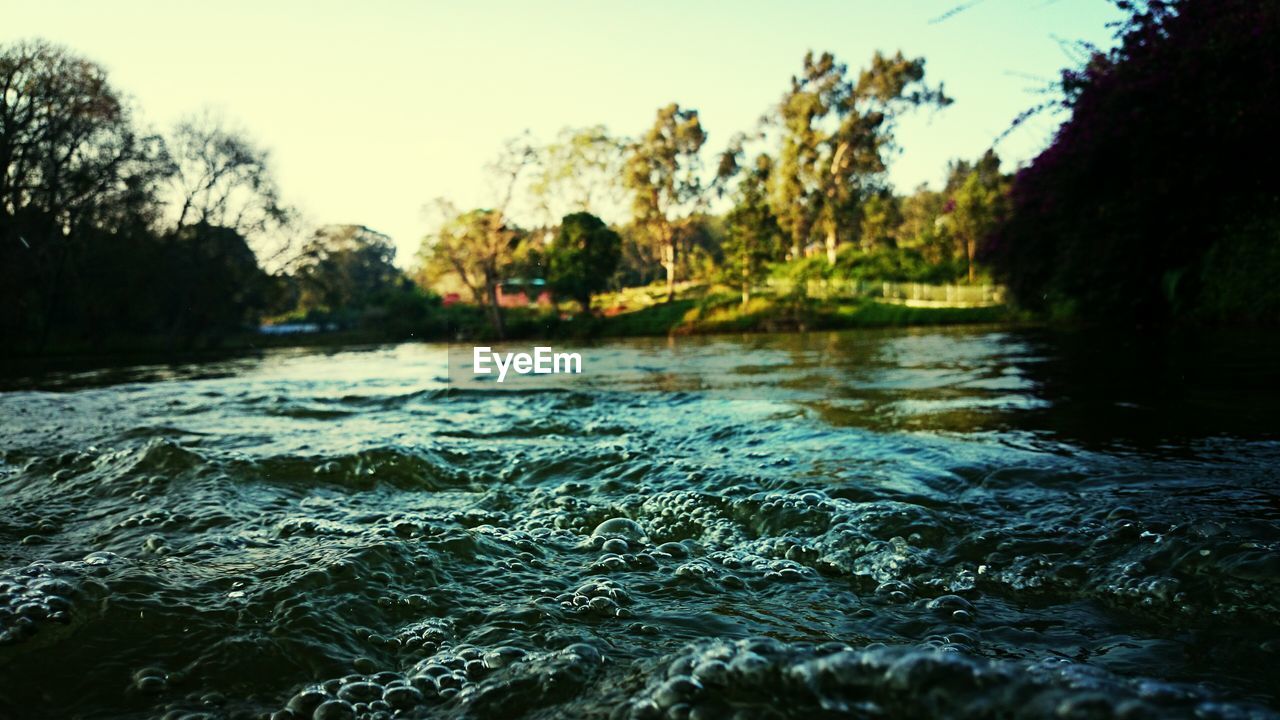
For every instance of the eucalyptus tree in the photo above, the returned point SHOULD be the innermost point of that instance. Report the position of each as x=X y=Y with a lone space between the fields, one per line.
x=579 y=172
x=663 y=172
x=836 y=134
x=978 y=204
x=752 y=234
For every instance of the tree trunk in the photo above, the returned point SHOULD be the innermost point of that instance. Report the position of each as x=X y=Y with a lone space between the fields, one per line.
x=746 y=281
x=971 y=246
x=669 y=262
x=495 y=311
x=832 y=244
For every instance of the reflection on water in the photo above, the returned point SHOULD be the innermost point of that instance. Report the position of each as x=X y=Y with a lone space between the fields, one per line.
x=898 y=523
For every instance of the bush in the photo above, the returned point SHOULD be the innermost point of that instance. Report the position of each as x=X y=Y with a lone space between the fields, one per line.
x=1171 y=138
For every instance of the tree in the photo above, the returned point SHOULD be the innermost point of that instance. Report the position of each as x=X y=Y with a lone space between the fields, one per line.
x=344 y=267
x=977 y=205
x=1168 y=159
x=583 y=255
x=221 y=178
x=752 y=234
x=662 y=171
x=880 y=221
x=577 y=172
x=72 y=169
x=478 y=247
x=213 y=283
x=836 y=134
x=921 y=228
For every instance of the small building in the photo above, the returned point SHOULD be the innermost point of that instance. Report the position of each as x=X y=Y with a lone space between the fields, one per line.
x=522 y=292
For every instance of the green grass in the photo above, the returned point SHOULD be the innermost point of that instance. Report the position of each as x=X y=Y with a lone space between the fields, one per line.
x=702 y=310
x=696 y=310
x=725 y=313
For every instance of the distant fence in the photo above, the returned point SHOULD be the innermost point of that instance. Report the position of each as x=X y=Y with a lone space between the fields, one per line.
x=903 y=293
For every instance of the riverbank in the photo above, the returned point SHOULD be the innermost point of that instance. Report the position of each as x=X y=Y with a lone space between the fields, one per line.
x=713 y=314
x=635 y=312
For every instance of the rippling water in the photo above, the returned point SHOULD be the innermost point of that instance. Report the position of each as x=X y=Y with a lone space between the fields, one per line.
x=900 y=524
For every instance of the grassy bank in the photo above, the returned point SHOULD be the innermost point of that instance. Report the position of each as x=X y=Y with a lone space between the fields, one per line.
x=725 y=313
x=632 y=312
x=700 y=310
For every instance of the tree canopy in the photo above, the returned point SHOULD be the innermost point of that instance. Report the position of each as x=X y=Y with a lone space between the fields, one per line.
x=1164 y=170
x=582 y=257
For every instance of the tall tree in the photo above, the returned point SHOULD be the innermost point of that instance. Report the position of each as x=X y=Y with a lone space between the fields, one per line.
x=72 y=166
x=478 y=247
x=344 y=267
x=663 y=171
x=222 y=178
x=977 y=204
x=578 y=172
x=836 y=135
x=753 y=236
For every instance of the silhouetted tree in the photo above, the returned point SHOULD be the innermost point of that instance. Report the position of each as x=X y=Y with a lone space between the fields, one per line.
x=1169 y=156
x=72 y=168
x=213 y=284
x=221 y=178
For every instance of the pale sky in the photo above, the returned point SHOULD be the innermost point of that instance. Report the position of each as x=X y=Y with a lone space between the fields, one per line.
x=372 y=109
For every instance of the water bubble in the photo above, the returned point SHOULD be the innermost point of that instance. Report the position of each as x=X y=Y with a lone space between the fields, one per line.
x=334 y=710
x=362 y=691
x=621 y=528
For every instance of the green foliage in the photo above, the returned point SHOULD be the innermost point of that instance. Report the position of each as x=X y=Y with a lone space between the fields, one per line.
x=1234 y=282
x=881 y=221
x=878 y=264
x=1132 y=215
x=836 y=134
x=753 y=237
x=719 y=313
x=345 y=277
x=582 y=257
x=978 y=205
x=662 y=172
x=344 y=267
x=923 y=227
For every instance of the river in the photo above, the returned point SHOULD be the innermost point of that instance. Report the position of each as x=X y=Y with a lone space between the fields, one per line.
x=975 y=522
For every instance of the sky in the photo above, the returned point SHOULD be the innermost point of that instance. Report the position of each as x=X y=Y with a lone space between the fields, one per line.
x=372 y=110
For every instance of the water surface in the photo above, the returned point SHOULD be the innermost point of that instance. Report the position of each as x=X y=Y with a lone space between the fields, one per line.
x=903 y=524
